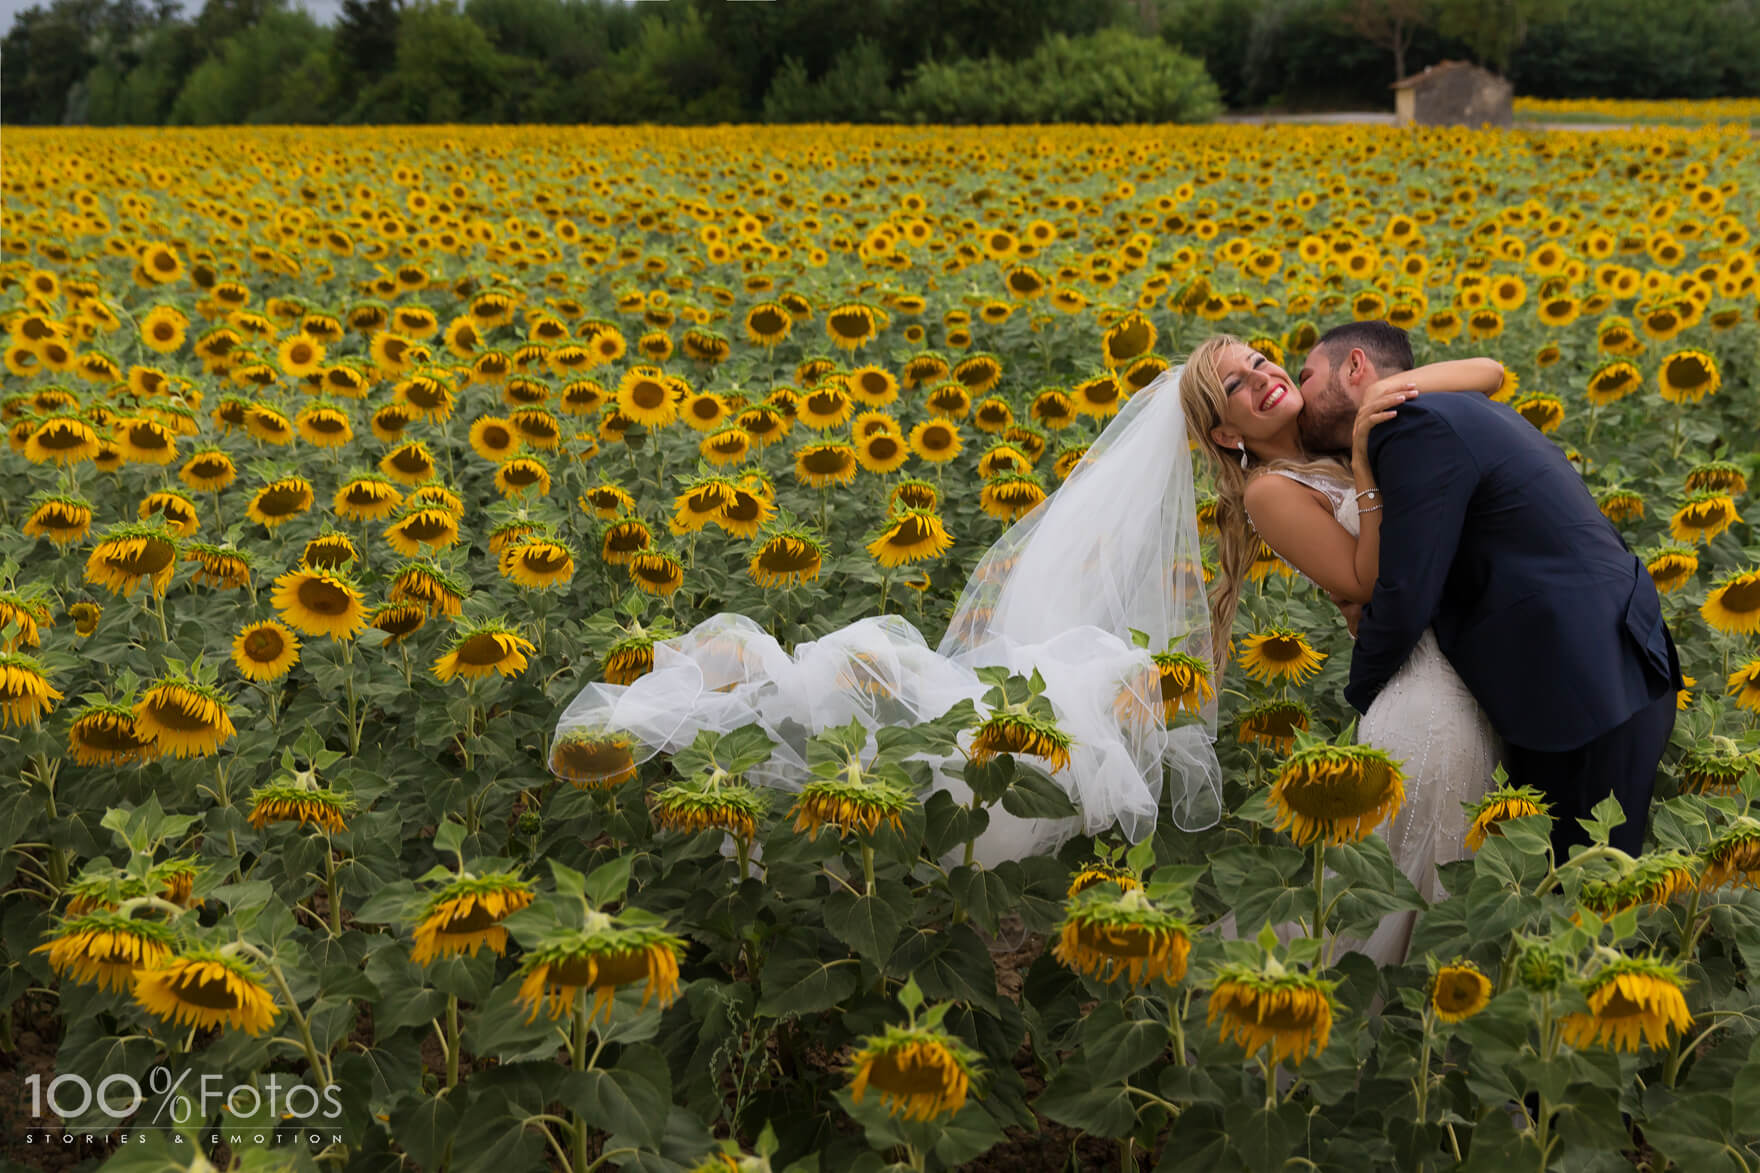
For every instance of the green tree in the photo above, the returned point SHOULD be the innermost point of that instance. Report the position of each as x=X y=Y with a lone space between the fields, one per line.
x=275 y=70
x=1492 y=30
x=46 y=53
x=856 y=88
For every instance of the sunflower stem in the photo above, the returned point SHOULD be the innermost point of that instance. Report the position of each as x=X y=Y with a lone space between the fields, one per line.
x=1270 y=1070
x=868 y=869
x=305 y=1029
x=330 y=892
x=580 y=1064
x=1422 y=1086
x=451 y=1041
x=226 y=801
x=57 y=861
x=1319 y=933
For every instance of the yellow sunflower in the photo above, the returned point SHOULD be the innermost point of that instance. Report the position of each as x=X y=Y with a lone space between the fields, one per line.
x=1631 y=1000
x=466 y=915
x=265 y=650
x=1279 y=652
x=1289 y=1010
x=183 y=717
x=205 y=988
x=1336 y=793
x=319 y=602
x=478 y=650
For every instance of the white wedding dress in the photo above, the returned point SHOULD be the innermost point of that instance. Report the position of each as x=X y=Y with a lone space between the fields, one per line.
x=1427 y=719
x=1114 y=550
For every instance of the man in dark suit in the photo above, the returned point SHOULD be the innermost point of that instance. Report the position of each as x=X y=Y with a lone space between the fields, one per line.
x=1489 y=537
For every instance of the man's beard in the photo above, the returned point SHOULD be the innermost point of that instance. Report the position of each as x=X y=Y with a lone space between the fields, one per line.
x=1325 y=423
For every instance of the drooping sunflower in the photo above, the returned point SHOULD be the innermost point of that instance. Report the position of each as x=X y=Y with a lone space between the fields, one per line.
x=910 y=535
x=466 y=915
x=1131 y=337
x=25 y=692
x=129 y=555
x=624 y=540
x=366 y=498
x=1733 y=856
x=1613 y=381
x=1279 y=652
x=607 y=501
x=422 y=530
x=1703 y=517
x=292 y=802
x=106 y=949
x=280 y=501
x=852 y=325
x=206 y=988
x=1619 y=504
x=711 y=803
x=409 y=463
x=62 y=519
x=1733 y=605
x=1110 y=935
x=1336 y=793
x=786 y=558
x=208 y=470
x=1542 y=410
x=920 y=1072
x=1505 y=802
x=27 y=616
x=1184 y=682
x=746 y=513
x=320 y=602
x=600 y=957
x=1458 y=991
x=183 y=717
x=537 y=563
x=1744 y=686
x=85 y=616
x=768 y=323
x=1631 y=1000
x=850 y=804
x=1098 y=397
x=820 y=466
x=1672 y=567
x=1687 y=376
x=265 y=650
x=592 y=760
x=1291 y=1011
x=1018 y=733
x=145 y=441
x=1719 y=476
x=656 y=572
x=700 y=504
x=482 y=648
x=1011 y=496
x=824 y=407
x=912 y=493
x=104 y=734
x=62 y=440
x=329 y=551
x=1715 y=766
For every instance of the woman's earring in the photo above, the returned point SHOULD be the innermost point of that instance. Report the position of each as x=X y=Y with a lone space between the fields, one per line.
x=1242 y=445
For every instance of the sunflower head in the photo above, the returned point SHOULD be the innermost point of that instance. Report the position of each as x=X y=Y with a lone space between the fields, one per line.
x=1019 y=733
x=1109 y=935
x=302 y=802
x=206 y=988
x=1733 y=857
x=1458 y=991
x=920 y=1071
x=492 y=645
x=851 y=803
x=106 y=948
x=1505 y=802
x=1289 y=1010
x=466 y=915
x=592 y=760
x=1631 y=1000
x=599 y=958
x=1733 y=605
x=1336 y=793
x=711 y=802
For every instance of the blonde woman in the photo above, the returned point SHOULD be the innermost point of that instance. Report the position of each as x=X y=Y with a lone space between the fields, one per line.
x=1319 y=512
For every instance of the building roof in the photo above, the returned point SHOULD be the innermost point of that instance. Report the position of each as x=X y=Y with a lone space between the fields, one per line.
x=1433 y=72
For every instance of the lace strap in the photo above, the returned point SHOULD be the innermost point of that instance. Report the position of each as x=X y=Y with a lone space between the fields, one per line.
x=1335 y=492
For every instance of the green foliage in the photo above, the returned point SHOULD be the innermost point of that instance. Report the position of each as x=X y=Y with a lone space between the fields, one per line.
x=1111 y=77
x=1492 y=29
x=856 y=88
x=275 y=71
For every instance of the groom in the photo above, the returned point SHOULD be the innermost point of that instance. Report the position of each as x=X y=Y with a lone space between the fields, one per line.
x=1489 y=537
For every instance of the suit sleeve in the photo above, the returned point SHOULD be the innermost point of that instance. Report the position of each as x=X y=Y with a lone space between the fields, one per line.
x=1426 y=476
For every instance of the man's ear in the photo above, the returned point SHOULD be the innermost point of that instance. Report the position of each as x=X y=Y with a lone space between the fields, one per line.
x=1358 y=368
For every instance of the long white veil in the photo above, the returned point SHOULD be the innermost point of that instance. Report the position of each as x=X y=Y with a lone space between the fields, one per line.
x=1115 y=547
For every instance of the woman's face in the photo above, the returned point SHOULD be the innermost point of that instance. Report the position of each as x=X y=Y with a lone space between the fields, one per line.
x=1263 y=401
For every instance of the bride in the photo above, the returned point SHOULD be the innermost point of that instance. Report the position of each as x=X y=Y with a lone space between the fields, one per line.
x=1320 y=514
x=1114 y=550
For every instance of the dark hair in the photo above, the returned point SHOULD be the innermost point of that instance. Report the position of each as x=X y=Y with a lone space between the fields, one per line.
x=1387 y=346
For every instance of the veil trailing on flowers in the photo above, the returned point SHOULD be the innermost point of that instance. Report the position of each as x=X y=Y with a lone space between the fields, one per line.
x=1114 y=549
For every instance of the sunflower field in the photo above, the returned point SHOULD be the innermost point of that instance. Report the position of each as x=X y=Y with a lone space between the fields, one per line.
x=339 y=460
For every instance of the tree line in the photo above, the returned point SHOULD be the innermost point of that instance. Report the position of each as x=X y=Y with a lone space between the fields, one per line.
x=105 y=62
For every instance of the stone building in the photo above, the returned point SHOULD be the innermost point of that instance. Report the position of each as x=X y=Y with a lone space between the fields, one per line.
x=1454 y=93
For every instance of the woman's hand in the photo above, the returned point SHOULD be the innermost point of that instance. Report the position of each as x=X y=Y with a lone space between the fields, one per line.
x=1352 y=612
x=1379 y=402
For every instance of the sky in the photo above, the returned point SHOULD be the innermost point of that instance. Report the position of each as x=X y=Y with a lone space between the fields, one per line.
x=323 y=10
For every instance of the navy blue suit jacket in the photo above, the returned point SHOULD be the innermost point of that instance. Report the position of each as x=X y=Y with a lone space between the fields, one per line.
x=1490 y=537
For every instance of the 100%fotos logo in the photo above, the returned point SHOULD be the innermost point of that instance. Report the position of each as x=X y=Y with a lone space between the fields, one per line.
x=120 y=1096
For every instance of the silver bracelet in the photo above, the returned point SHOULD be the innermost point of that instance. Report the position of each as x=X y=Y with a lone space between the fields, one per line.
x=1368 y=493
x=1371 y=509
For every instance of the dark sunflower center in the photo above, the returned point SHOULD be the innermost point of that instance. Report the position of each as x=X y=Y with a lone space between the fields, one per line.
x=603 y=970
x=1742 y=597
x=411 y=460
x=155 y=555
x=768 y=321
x=592 y=759
x=1688 y=374
x=825 y=460
x=883 y=447
x=544 y=559
x=475 y=919
x=178 y=711
x=323 y=597
x=112 y=734
x=148 y=437
x=264 y=645
x=280 y=501
x=648 y=395
x=915 y=1076
x=521 y=473
x=206 y=992
x=787 y=557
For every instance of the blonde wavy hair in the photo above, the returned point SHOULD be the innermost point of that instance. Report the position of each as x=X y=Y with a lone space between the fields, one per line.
x=1237 y=543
